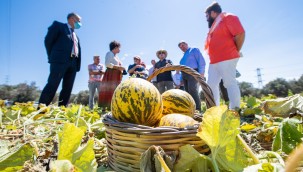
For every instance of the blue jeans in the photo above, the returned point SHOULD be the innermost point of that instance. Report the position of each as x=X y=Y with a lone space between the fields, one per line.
x=92 y=86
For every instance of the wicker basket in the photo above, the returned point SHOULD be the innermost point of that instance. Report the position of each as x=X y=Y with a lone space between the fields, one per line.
x=126 y=142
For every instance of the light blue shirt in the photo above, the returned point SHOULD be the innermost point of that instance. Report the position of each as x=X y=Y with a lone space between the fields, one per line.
x=194 y=59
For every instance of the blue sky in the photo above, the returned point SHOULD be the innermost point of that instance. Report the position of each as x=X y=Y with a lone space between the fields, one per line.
x=273 y=42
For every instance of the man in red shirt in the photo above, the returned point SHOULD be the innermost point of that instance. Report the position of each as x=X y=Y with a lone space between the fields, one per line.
x=223 y=44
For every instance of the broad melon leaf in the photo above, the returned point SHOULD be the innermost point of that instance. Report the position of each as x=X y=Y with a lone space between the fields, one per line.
x=288 y=135
x=12 y=114
x=84 y=159
x=252 y=102
x=191 y=160
x=69 y=141
x=219 y=129
x=284 y=106
x=15 y=160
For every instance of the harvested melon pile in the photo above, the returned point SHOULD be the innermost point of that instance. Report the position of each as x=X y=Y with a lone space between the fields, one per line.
x=138 y=101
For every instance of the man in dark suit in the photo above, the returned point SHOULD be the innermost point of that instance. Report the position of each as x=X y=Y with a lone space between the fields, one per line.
x=64 y=55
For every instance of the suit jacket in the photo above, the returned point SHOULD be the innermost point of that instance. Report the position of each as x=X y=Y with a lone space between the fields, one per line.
x=59 y=43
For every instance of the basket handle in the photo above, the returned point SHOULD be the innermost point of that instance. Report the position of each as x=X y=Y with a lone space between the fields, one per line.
x=209 y=98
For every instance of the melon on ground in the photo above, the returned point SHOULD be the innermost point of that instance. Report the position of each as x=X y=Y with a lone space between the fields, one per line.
x=137 y=101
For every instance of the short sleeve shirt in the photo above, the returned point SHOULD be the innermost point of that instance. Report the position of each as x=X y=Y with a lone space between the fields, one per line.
x=140 y=69
x=222 y=45
x=95 y=68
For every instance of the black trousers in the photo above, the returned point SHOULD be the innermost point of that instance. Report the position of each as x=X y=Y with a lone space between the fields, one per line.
x=65 y=72
x=192 y=87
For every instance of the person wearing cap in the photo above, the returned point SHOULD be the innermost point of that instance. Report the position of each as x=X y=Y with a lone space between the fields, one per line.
x=192 y=58
x=164 y=79
x=112 y=76
x=223 y=44
x=138 y=68
x=95 y=71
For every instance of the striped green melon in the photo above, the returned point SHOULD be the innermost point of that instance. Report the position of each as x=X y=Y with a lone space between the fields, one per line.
x=178 y=101
x=137 y=101
x=177 y=120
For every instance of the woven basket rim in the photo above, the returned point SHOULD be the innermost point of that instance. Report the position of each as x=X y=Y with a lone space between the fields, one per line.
x=208 y=94
x=125 y=127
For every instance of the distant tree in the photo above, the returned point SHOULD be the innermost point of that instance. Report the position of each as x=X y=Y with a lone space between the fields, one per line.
x=296 y=85
x=6 y=92
x=278 y=87
x=80 y=98
x=246 y=88
x=24 y=92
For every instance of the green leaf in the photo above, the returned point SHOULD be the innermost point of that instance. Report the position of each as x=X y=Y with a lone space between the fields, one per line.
x=82 y=124
x=69 y=141
x=12 y=114
x=219 y=129
x=4 y=147
x=84 y=159
x=252 y=102
x=284 y=106
x=191 y=160
x=15 y=160
x=288 y=135
x=248 y=127
x=97 y=125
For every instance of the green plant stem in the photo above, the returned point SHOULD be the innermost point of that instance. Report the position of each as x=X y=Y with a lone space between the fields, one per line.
x=280 y=159
x=78 y=115
x=215 y=165
x=247 y=148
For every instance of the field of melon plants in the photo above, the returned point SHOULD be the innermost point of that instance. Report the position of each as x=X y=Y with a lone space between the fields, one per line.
x=264 y=135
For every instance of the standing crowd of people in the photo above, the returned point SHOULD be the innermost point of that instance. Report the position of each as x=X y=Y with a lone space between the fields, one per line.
x=223 y=44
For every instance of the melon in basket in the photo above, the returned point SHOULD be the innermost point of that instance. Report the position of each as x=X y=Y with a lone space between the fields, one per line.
x=137 y=101
x=178 y=101
x=177 y=120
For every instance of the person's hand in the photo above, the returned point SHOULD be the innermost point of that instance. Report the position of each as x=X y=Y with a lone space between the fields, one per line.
x=168 y=64
x=138 y=66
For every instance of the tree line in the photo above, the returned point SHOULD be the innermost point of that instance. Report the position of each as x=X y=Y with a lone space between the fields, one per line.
x=24 y=92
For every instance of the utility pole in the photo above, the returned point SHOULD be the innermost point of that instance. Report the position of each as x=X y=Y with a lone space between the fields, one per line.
x=260 y=81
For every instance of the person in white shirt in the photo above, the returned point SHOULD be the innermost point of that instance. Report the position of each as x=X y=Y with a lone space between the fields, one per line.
x=178 y=80
x=112 y=76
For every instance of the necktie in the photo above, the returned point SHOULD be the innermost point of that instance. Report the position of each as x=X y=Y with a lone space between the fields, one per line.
x=75 y=41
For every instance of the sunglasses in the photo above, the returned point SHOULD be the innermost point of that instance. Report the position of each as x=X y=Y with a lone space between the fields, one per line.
x=161 y=52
